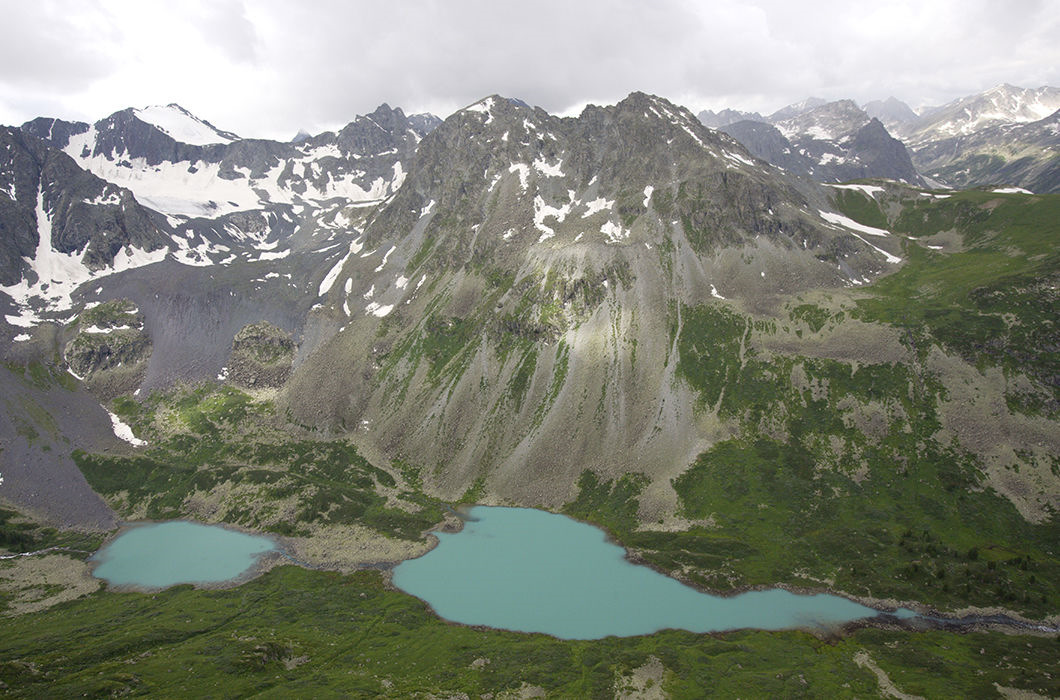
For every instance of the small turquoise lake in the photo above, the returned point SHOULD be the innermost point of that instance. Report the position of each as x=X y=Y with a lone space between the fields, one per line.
x=532 y=571
x=158 y=555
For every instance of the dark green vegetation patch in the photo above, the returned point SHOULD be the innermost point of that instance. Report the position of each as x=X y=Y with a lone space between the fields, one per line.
x=996 y=301
x=219 y=438
x=294 y=632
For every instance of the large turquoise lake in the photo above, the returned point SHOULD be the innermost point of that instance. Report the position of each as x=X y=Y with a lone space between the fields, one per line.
x=532 y=571
x=158 y=555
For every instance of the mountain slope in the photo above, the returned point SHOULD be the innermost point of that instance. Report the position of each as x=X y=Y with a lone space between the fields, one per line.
x=525 y=286
x=1016 y=155
x=62 y=226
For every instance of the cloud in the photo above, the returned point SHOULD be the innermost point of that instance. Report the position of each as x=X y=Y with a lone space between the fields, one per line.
x=45 y=46
x=270 y=67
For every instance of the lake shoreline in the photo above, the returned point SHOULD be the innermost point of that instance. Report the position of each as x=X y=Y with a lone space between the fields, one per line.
x=286 y=548
x=970 y=619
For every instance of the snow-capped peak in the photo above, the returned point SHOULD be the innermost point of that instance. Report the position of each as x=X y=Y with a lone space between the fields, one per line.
x=182 y=125
x=484 y=106
x=1004 y=104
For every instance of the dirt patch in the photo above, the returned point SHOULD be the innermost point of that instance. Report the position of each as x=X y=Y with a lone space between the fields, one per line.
x=346 y=548
x=36 y=583
x=1018 y=694
x=1016 y=449
x=887 y=688
x=643 y=683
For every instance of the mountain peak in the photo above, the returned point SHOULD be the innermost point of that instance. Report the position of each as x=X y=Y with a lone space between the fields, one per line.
x=183 y=126
x=794 y=110
x=891 y=111
x=830 y=120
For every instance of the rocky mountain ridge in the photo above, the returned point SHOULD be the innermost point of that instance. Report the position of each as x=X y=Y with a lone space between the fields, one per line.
x=975 y=141
x=830 y=142
x=524 y=285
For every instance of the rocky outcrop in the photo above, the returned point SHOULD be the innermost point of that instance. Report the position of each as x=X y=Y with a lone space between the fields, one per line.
x=110 y=348
x=261 y=356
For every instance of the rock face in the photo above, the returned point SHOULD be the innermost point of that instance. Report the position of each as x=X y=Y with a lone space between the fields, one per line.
x=261 y=356
x=110 y=349
x=522 y=290
x=830 y=142
x=44 y=192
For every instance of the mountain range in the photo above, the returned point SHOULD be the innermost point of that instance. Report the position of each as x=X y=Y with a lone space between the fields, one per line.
x=1005 y=136
x=773 y=352
x=487 y=269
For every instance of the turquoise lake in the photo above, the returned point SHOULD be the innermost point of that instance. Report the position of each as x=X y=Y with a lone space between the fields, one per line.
x=532 y=571
x=165 y=554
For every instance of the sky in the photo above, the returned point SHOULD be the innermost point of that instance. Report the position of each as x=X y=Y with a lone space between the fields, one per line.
x=269 y=68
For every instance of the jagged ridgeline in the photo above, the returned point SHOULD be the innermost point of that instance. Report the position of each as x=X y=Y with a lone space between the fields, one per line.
x=519 y=319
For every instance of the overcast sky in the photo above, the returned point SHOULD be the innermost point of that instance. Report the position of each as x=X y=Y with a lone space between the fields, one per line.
x=268 y=68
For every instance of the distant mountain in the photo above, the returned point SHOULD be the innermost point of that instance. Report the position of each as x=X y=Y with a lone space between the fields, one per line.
x=833 y=142
x=716 y=120
x=1019 y=155
x=830 y=121
x=212 y=173
x=892 y=112
x=795 y=109
x=1003 y=136
x=1004 y=104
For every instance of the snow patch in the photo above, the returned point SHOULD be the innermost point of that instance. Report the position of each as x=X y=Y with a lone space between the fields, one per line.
x=737 y=158
x=399 y=177
x=544 y=211
x=597 y=205
x=123 y=431
x=524 y=173
x=484 y=107
x=870 y=190
x=614 y=232
x=386 y=257
x=102 y=199
x=376 y=309
x=1012 y=190
x=852 y=226
x=180 y=125
x=541 y=166
x=59 y=274
x=333 y=274
x=110 y=329
x=647 y=195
